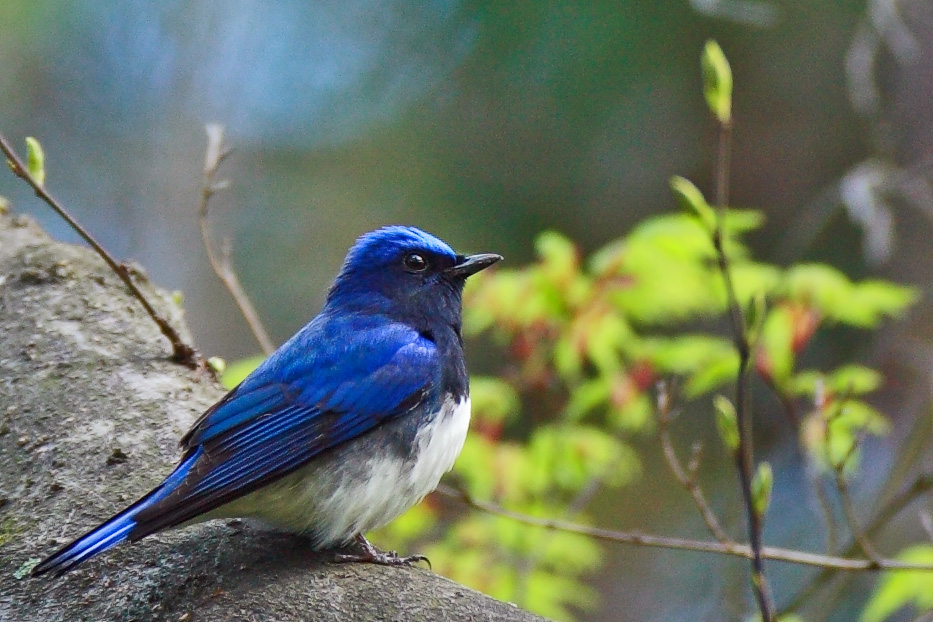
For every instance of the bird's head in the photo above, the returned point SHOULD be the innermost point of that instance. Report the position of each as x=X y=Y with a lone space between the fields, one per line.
x=406 y=274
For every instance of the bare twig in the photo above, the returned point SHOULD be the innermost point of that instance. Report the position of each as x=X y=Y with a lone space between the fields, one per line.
x=687 y=477
x=221 y=263
x=829 y=520
x=848 y=508
x=683 y=544
x=744 y=455
x=722 y=164
x=842 y=486
x=181 y=352
x=920 y=486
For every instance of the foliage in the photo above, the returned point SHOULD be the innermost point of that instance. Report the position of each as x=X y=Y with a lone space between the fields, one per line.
x=898 y=589
x=593 y=336
x=585 y=340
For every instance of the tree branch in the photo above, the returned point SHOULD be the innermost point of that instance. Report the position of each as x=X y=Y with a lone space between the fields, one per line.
x=181 y=351
x=688 y=477
x=745 y=454
x=90 y=414
x=791 y=556
x=221 y=263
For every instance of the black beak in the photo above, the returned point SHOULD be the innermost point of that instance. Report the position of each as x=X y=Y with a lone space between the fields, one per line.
x=471 y=264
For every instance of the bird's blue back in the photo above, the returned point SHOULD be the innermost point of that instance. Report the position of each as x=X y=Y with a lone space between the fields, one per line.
x=387 y=342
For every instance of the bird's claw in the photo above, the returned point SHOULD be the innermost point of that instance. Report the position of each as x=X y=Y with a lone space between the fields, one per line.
x=369 y=554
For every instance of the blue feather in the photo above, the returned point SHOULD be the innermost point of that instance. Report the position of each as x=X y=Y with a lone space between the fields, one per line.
x=115 y=530
x=387 y=345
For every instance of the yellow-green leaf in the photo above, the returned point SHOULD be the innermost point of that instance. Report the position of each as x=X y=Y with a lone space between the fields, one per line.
x=35 y=160
x=717 y=81
x=691 y=199
x=727 y=422
x=898 y=589
x=237 y=371
x=762 y=485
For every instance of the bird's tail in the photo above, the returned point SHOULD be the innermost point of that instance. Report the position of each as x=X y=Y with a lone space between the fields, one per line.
x=118 y=529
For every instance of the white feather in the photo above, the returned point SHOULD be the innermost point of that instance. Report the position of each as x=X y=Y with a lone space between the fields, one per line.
x=335 y=500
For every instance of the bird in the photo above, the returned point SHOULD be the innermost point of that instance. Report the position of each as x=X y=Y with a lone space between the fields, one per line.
x=344 y=427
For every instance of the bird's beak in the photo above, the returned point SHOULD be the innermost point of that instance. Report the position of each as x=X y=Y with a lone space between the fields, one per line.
x=471 y=264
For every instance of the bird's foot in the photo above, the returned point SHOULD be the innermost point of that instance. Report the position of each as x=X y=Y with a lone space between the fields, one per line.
x=369 y=554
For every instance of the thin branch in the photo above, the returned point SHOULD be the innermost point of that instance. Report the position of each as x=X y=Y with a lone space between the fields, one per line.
x=744 y=455
x=920 y=486
x=181 y=351
x=903 y=495
x=722 y=165
x=848 y=508
x=687 y=477
x=790 y=556
x=838 y=467
x=848 y=505
x=829 y=520
x=221 y=263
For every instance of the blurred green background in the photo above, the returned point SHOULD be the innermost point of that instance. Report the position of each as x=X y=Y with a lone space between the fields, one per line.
x=486 y=122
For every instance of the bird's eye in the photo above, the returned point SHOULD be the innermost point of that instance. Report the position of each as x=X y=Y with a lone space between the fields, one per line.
x=415 y=263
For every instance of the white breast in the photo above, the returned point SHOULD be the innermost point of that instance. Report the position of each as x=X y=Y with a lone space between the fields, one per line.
x=439 y=444
x=334 y=500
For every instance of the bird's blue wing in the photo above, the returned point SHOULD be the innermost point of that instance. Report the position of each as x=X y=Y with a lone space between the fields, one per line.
x=333 y=381
x=312 y=395
x=354 y=364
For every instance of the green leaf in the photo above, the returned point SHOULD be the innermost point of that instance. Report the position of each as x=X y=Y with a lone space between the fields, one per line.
x=742 y=220
x=753 y=282
x=587 y=397
x=762 y=485
x=776 y=342
x=874 y=300
x=683 y=354
x=35 y=160
x=414 y=523
x=848 y=380
x=493 y=399
x=831 y=293
x=727 y=422
x=568 y=357
x=237 y=371
x=604 y=335
x=818 y=285
x=692 y=200
x=560 y=263
x=634 y=414
x=569 y=552
x=900 y=588
x=568 y=457
x=26 y=567
x=218 y=364
x=846 y=422
x=717 y=81
x=476 y=465
x=716 y=372
x=549 y=593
